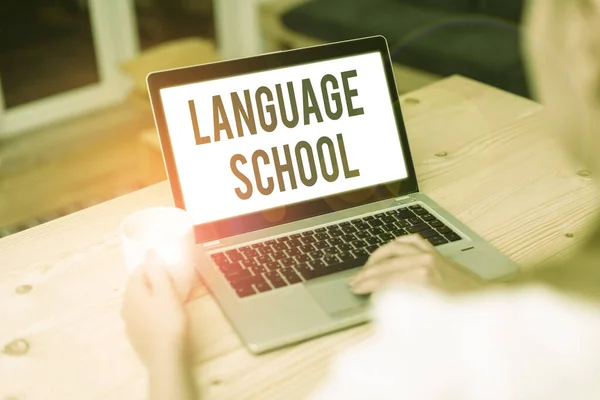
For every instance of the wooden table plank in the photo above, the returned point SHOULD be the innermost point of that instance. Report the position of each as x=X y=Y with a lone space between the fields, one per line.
x=501 y=174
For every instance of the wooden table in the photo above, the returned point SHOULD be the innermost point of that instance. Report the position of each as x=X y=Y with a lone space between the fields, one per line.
x=480 y=152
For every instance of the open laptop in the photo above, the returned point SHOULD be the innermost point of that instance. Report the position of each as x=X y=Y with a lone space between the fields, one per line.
x=295 y=166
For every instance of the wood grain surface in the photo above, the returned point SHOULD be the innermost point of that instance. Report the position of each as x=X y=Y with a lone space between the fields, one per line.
x=482 y=153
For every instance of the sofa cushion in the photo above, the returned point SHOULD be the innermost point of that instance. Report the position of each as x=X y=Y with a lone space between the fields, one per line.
x=333 y=20
x=481 y=49
x=509 y=10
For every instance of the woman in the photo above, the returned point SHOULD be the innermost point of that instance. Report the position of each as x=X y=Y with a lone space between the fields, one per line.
x=527 y=340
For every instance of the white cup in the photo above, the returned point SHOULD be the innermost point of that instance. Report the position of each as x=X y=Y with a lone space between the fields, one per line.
x=169 y=233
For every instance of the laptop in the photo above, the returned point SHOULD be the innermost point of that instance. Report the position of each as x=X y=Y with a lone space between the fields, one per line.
x=295 y=167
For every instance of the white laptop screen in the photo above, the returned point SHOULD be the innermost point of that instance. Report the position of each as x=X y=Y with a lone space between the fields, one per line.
x=263 y=140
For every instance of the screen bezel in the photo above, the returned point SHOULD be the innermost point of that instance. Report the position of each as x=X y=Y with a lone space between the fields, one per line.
x=293 y=212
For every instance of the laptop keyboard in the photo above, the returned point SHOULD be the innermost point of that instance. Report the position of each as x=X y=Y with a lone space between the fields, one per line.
x=299 y=257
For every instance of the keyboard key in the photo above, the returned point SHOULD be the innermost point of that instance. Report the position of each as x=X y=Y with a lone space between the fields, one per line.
x=333 y=227
x=360 y=253
x=405 y=214
x=270 y=242
x=398 y=232
x=263 y=259
x=402 y=223
x=275 y=279
x=389 y=227
x=348 y=238
x=294 y=243
x=371 y=249
x=314 y=264
x=244 y=290
x=248 y=263
x=322 y=229
x=251 y=253
x=361 y=225
x=373 y=240
x=331 y=250
x=375 y=223
x=420 y=211
x=453 y=237
x=272 y=265
x=376 y=231
x=386 y=237
x=307 y=239
x=336 y=233
x=362 y=234
x=427 y=233
x=262 y=285
x=435 y=223
x=346 y=256
x=322 y=236
x=290 y=275
x=427 y=217
x=266 y=250
x=258 y=246
x=388 y=219
x=345 y=247
x=417 y=228
x=444 y=229
x=302 y=258
x=258 y=270
x=321 y=245
x=238 y=276
x=345 y=223
x=349 y=229
x=437 y=240
x=316 y=254
x=279 y=246
x=283 y=239
x=335 y=241
x=379 y=215
x=331 y=259
x=415 y=207
x=415 y=220
x=368 y=218
x=359 y=243
x=219 y=258
x=278 y=255
x=230 y=267
x=244 y=286
x=306 y=248
x=232 y=252
x=287 y=262
x=295 y=236
x=233 y=257
x=293 y=252
x=308 y=233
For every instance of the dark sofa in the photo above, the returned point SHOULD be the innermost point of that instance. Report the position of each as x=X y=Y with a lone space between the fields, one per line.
x=479 y=39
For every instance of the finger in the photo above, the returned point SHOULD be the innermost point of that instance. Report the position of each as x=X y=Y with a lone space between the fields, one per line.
x=393 y=249
x=384 y=280
x=391 y=265
x=416 y=240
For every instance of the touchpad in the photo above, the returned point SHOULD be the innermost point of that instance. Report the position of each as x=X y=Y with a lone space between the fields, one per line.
x=336 y=298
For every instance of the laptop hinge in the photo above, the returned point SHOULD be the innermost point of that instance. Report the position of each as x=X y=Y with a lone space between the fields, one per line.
x=212 y=243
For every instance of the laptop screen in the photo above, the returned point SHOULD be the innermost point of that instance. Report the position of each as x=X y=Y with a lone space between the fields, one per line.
x=268 y=139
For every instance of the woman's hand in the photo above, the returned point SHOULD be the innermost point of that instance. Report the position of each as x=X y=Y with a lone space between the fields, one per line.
x=411 y=259
x=154 y=315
